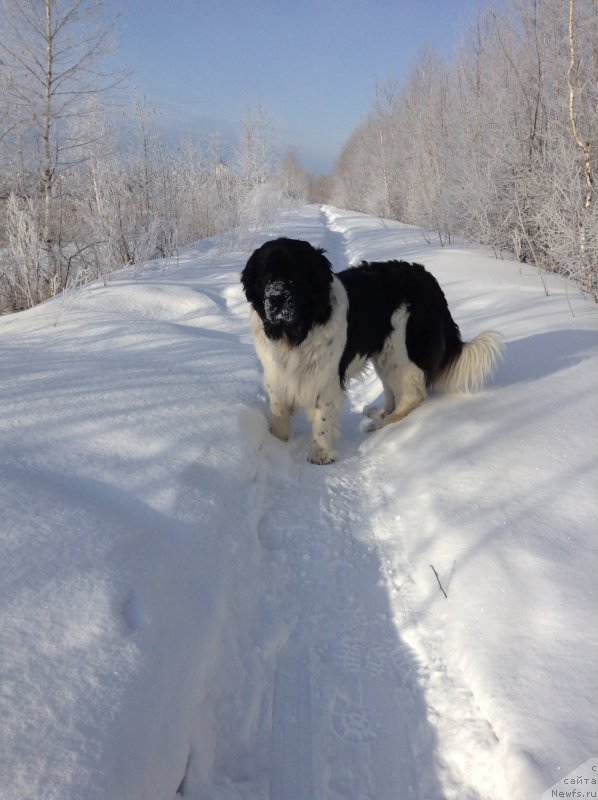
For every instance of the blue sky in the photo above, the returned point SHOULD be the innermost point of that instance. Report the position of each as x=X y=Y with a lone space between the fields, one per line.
x=312 y=64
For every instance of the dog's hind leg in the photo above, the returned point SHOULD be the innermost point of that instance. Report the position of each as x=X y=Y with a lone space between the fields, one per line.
x=404 y=382
x=375 y=411
x=409 y=390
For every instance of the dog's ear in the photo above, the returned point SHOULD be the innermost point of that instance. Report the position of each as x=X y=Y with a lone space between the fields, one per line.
x=320 y=269
x=318 y=272
x=250 y=274
x=326 y=266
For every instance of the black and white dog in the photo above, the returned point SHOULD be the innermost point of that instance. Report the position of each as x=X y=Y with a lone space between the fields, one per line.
x=314 y=330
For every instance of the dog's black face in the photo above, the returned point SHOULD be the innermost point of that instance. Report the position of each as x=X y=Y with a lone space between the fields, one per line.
x=287 y=281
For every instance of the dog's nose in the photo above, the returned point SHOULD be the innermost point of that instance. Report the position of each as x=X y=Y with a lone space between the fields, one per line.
x=278 y=302
x=275 y=288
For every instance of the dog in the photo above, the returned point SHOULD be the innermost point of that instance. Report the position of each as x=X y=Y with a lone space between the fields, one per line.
x=314 y=330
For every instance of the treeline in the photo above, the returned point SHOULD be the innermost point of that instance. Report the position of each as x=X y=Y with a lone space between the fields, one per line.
x=127 y=202
x=497 y=144
x=84 y=192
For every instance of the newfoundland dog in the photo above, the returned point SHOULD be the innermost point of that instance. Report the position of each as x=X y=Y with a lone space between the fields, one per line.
x=314 y=330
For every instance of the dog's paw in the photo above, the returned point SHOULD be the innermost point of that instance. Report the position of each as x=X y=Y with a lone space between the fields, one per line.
x=319 y=456
x=281 y=429
x=370 y=425
x=373 y=411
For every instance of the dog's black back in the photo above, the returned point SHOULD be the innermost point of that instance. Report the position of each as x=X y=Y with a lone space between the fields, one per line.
x=375 y=291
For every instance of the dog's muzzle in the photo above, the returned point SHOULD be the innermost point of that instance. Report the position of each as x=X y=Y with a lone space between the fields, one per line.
x=279 y=303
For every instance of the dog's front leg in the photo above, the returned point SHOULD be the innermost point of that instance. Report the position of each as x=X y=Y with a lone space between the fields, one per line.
x=324 y=427
x=282 y=417
x=281 y=413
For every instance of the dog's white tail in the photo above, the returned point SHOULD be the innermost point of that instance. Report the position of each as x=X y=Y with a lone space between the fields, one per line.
x=474 y=366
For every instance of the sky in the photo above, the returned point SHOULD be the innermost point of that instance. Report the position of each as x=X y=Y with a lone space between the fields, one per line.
x=312 y=65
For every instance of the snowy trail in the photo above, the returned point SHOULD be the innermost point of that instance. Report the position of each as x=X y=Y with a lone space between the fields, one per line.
x=343 y=683
x=341 y=698
x=189 y=609
x=349 y=717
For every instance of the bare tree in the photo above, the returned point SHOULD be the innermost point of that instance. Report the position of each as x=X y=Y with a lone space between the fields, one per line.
x=52 y=52
x=255 y=146
x=584 y=147
x=292 y=177
x=258 y=197
x=383 y=117
x=500 y=145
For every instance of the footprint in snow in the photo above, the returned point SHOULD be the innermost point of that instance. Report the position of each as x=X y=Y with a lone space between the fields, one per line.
x=352 y=723
x=133 y=612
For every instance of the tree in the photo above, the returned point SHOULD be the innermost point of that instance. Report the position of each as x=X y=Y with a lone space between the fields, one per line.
x=258 y=197
x=293 y=179
x=255 y=147
x=500 y=145
x=584 y=145
x=51 y=53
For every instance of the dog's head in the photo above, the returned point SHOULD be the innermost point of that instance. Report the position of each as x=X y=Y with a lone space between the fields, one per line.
x=287 y=281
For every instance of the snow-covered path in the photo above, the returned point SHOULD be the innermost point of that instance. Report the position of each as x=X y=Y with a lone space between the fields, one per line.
x=188 y=607
x=340 y=683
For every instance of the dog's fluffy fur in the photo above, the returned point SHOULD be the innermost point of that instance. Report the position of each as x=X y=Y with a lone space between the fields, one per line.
x=314 y=330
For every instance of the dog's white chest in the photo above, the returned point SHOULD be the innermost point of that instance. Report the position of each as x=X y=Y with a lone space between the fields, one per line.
x=305 y=372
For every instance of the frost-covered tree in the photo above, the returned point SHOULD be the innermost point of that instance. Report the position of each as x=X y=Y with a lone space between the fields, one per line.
x=254 y=156
x=52 y=53
x=500 y=144
x=292 y=177
x=79 y=198
x=259 y=197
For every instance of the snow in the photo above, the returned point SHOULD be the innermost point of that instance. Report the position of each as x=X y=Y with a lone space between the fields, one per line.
x=190 y=609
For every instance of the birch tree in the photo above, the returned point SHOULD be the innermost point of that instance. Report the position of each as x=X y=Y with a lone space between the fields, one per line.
x=501 y=144
x=52 y=52
x=584 y=146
